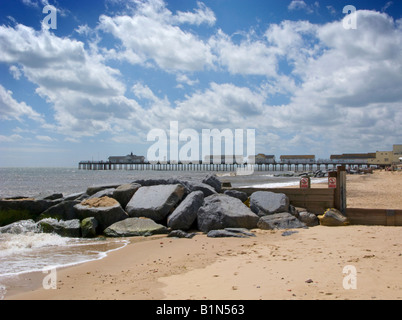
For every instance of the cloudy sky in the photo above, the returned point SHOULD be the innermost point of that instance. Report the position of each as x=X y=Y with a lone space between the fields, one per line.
x=113 y=70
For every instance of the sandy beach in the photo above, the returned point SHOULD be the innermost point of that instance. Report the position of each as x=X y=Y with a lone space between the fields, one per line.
x=308 y=264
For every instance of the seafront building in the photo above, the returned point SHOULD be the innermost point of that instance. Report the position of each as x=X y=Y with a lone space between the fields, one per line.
x=131 y=158
x=388 y=158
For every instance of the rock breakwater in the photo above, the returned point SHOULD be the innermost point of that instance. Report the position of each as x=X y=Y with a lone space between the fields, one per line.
x=157 y=206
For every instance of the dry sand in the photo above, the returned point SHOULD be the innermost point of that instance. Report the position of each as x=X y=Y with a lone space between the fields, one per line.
x=305 y=265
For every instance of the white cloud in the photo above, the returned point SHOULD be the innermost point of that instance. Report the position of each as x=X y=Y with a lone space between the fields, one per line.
x=10 y=109
x=220 y=106
x=86 y=95
x=31 y=3
x=12 y=138
x=349 y=83
x=144 y=92
x=182 y=78
x=150 y=35
x=45 y=138
x=299 y=5
x=250 y=57
x=16 y=73
x=202 y=15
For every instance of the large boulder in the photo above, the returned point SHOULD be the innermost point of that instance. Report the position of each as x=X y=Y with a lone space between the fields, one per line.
x=89 y=227
x=189 y=184
x=220 y=211
x=155 y=202
x=103 y=193
x=310 y=219
x=13 y=210
x=106 y=211
x=333 y=218
x=74 y=196
x=194 y=185
x=62 y=211
x=237 y=194
x=70 y=228
x=282 y=220
x=213 y=181
x=125 y=192
x=185 y=214
x=92 y=190
x=53 y=196
x=135 y=227
x=264 y=203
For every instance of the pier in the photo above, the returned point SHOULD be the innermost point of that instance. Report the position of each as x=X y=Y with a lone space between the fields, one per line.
x=327 y=165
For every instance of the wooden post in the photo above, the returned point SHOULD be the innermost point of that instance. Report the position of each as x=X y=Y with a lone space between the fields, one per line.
x=340 y=192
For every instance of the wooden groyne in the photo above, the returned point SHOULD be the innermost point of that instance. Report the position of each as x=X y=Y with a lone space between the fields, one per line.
x=317 y=200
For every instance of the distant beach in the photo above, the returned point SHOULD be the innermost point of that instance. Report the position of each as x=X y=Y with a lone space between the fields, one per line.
x=304 y=265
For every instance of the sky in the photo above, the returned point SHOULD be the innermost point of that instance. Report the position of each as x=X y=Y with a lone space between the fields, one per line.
x=85 y=80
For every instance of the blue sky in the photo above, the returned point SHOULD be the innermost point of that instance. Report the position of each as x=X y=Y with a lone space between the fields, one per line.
x=114 y=70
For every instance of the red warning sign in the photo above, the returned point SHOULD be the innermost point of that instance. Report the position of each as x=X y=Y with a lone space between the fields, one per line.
x=332 y=182
x=305 y=183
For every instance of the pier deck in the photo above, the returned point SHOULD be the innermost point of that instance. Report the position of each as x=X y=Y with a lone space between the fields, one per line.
x=297 y=167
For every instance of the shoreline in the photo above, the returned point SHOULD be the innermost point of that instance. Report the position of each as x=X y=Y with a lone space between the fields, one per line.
x=306 y=265
x=202 y=268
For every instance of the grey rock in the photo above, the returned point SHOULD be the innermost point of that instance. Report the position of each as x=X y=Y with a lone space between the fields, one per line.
x=185 y=214
x=181 y=234
x=13 y=210
x=265 y=203
x=54 y=196
x=214 y=182
x=282 y=220
x=242 y=231
x=135 y=227
x=189 y=184
x=155 y=182
x=155 y=202
x=106 y=216
x=62 y=211
x=333 y=218
x=92 y=190
x=288 y=233
x=125 y=192
x=225 y=234
x=310 y=219
x=193 y=185
x=89 y=227
x=70 y=228
x=237 y=194
x=220 y=211
x=103 y=193
x=73 y=196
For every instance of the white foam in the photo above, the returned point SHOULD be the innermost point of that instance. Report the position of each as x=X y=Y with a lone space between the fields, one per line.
x=24 y=249
x=11 y=244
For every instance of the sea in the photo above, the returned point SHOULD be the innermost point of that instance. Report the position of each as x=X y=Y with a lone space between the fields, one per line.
x=25 y=249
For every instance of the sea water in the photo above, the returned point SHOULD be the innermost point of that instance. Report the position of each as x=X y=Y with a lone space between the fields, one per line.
x=24 y=248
